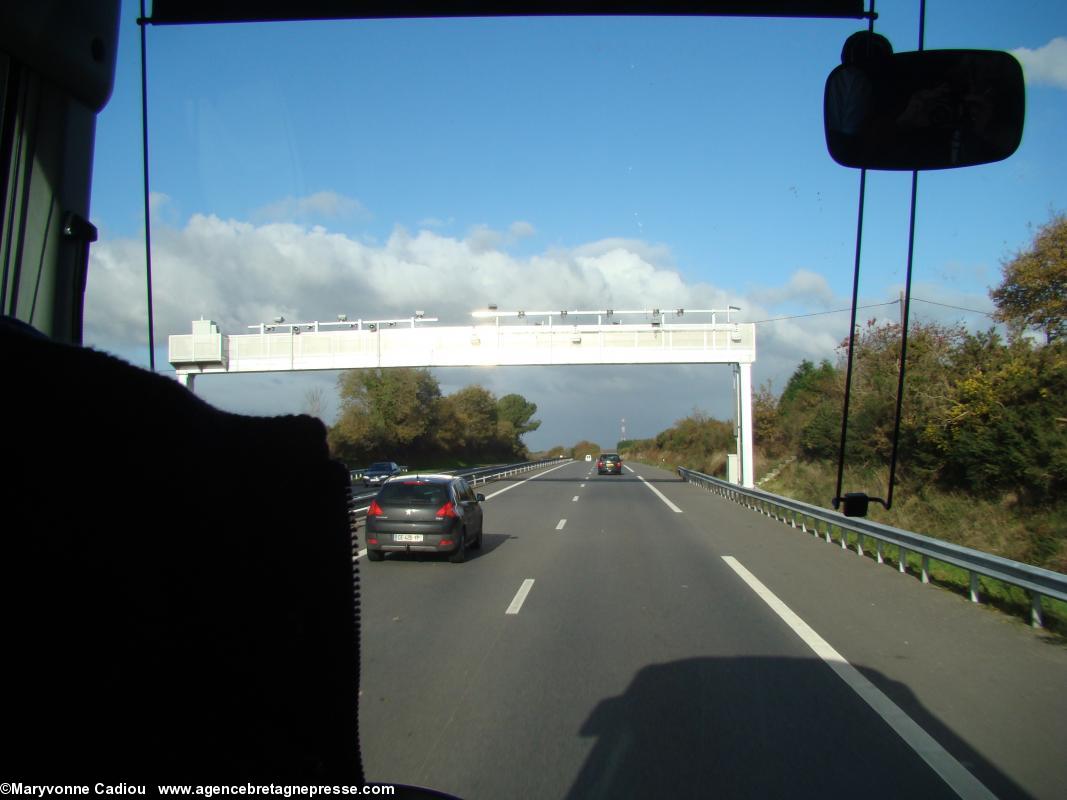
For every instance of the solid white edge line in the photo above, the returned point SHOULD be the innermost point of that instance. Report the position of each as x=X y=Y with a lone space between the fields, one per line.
x=562 y=522
x=520 y=596
x=520 y=483
x=661 y=496
x=940 y=760
x=361 y=553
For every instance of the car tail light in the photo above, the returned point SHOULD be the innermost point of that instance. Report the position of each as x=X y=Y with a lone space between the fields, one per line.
x=445 y=543
x=374 y=510
x=599 y=464
x=372 y=541
x=447 y=510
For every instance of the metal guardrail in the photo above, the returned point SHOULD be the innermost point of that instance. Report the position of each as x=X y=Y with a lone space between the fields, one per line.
x=1037 y=582
x=480 y=475
x=486 y=474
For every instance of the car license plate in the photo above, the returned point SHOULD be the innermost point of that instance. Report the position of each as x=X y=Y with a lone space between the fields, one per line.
x=407 y=537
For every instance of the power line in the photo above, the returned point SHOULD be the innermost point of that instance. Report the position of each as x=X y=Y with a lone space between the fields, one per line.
x=958 y=308
x=821 y=313
x=873 y=305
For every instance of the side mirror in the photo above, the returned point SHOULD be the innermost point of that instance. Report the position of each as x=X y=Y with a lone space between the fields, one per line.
x=480 y=498
x=931 y=109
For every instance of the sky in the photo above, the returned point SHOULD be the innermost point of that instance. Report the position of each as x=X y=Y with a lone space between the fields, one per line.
x=373 y=168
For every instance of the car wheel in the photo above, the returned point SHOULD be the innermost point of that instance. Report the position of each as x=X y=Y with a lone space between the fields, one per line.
x=477 y=543
x=459 y=555
x=375 y=555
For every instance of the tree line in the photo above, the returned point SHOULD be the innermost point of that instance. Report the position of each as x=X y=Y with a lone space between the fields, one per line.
x=983 y=413
x=401 y=415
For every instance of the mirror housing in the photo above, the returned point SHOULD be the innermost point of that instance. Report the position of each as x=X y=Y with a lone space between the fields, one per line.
x=930 y=109
x=480 y=497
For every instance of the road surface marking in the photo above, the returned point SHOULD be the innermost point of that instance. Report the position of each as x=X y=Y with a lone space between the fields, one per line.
x=951 y=771
x=520 y=596
x=581 y=486
x=361 y=553
x=627 y=467
x=520 y=483
x=574 y=499
x=670 y=505
x=562 y=522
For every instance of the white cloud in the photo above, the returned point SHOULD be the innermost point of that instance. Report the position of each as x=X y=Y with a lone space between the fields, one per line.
x=1045 y=65
x=157 y=201
x=318 y=206
x=521 y=230
x=804 y=287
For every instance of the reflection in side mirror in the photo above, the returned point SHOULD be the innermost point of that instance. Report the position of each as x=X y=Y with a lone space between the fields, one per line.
x=480 y=497
x=931 y=109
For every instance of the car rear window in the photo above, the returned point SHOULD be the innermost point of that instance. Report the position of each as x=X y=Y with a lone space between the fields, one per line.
x=413 y=493
x=381 y=465
x=610 y=456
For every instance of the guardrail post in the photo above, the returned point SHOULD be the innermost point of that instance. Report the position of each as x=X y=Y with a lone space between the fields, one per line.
x=1035 y=610
x=859 y=543
x=829 y=527
x=844 y=538
x=878 y=547
x=974 y=587
x=926 y=569
x=902 y=559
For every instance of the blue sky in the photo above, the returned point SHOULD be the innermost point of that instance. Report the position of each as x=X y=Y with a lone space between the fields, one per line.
x=570 y=161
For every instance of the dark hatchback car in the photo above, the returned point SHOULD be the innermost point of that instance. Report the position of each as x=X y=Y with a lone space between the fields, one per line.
x=379 y=472
x=425 y=514
x=609 y=463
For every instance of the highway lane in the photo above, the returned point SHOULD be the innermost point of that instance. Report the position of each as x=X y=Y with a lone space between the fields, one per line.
x=639 y=663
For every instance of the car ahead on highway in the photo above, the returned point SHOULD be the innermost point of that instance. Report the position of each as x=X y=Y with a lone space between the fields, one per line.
x=609 y=463
x=380 y=471
x=425 y=514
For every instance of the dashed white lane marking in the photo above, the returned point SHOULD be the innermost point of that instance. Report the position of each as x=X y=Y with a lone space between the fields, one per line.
x=560 y=525
x=581 y=486
x=951 y=771
x=361 y=553
x=520 y=596
x=520 y=483
x=574 y=499
x=627 y=467
x=661 y=496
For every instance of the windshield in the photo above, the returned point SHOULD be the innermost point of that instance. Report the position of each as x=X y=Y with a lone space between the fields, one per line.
x=367 y=210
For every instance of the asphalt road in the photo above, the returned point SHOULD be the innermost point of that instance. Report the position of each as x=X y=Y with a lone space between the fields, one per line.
x=619 y=637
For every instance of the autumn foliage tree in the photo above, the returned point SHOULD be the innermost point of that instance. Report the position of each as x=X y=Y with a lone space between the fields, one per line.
x=1033 y=292
x=400 y=414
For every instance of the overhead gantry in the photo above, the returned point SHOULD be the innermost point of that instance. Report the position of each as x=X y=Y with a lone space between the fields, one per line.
x=498 y=338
